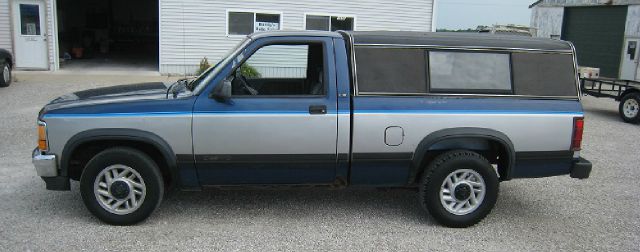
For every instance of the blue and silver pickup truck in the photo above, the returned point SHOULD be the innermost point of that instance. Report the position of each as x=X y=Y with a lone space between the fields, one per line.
x=451 y=115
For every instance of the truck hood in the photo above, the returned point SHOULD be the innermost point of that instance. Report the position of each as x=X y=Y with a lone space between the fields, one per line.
x=114 y=94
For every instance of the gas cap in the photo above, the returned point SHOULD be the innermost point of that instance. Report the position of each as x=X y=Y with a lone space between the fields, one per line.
x=393 y=135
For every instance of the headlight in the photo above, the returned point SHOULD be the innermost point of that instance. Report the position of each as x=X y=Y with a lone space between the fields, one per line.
x=42 y=136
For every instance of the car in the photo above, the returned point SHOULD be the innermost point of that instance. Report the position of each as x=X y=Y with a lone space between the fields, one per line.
x=6 y=65
x=450 y=115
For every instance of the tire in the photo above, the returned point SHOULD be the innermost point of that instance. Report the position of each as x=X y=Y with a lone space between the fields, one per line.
x=138 y=193
x=459 y=163
x=629 y=107
x=5 y=75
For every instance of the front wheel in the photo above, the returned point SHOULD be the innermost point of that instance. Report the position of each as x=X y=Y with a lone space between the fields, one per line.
x=459 y=188
x=121 y=186
x=630 y=107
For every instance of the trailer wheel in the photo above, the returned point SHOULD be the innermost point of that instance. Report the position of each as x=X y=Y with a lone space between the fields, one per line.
x=459 y=188
x=630 y=108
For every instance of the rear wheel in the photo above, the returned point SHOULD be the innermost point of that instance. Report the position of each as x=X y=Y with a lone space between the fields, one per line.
x=121 y=186
x=630 y=108
x=5 y=75
x=459 y=188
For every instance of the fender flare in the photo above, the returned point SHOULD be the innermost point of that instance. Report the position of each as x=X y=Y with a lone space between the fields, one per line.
x=124 y=134
x=462 y=132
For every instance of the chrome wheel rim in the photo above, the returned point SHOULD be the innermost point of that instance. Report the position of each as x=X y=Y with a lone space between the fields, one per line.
x=6 y=74
x=462 y=191
x=630 y=108
x=119 y=189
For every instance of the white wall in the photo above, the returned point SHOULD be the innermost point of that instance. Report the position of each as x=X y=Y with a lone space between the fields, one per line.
x=5 y=26
x=547 y=21
x=193 y=29
x=632 y=28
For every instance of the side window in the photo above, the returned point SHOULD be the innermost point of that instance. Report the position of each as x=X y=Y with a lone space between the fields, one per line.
x=288 y=69
x=389 y=70
x=544 y=74
x=469 y=72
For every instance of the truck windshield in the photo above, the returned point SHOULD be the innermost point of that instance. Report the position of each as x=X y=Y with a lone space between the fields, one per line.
x=197 y=84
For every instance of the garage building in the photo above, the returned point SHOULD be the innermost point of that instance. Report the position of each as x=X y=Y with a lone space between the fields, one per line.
x=172 y=36
x=606 y=33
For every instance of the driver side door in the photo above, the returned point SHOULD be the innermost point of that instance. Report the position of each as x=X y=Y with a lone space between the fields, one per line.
x=280 y=124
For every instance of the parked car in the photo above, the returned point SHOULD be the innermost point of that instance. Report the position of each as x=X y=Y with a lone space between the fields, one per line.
x=451 y=115
x=6 y=65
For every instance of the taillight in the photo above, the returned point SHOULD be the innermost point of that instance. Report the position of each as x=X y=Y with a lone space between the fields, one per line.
x=578 y=129
x=42 y=136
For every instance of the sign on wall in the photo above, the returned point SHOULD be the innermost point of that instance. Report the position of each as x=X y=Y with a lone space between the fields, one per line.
x=266 y=26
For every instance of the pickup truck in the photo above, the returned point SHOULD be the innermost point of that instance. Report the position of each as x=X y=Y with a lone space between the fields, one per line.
x=451 y=115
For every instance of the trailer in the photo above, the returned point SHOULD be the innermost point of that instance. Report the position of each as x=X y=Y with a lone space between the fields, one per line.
x=627 y=92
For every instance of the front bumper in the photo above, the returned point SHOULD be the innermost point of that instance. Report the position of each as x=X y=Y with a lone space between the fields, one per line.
x=47 y=168
x=581 y=169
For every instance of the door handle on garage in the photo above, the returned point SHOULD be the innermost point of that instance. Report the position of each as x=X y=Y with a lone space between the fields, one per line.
x=317 y=109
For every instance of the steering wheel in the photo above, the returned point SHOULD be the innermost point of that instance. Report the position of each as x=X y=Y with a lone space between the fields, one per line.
x=245 y=84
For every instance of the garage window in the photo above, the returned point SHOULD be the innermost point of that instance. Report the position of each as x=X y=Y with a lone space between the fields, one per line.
x=329 y=23
x=469 y=72
x=245 y=23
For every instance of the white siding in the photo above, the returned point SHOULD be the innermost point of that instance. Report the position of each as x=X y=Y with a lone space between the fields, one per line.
x=547 y=21
x=193 y=29
x=632 y=28
x=5 y=26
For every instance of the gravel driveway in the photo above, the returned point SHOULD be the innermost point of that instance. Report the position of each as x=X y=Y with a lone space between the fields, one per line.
x=600 y=214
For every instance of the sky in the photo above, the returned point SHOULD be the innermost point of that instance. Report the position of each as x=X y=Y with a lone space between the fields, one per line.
x=463 y=14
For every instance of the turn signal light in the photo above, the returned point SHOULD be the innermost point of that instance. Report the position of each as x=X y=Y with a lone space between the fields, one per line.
x=42 y=136
x=578 y=129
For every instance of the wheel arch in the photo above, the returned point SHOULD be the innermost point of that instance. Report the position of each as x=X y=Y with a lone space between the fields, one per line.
x=470 y=138
x=148 y=142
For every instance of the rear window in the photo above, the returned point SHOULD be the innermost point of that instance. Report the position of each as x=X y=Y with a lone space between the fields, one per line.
x=385 y=70
x=542 y=74
x=469 y=72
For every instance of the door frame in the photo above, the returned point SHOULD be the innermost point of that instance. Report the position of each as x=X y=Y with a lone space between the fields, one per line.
x=45 y=30
x=205 y=105
x=624 y=50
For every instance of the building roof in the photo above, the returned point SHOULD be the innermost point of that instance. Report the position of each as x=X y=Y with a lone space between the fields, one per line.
x=457 y=39
x=576 y=3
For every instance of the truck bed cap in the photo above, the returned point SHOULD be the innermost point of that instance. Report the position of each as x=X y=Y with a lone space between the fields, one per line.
x=455 y=39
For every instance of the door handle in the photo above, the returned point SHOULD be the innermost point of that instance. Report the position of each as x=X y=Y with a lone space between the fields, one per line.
x=317 y=109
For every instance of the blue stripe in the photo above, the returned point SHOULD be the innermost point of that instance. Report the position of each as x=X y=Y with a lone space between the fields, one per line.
x=436 y=112
x=467 y=112
x=117 y=114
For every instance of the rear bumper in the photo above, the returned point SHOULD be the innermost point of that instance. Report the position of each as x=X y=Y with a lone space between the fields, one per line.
x=47 y=168
x=581 y=169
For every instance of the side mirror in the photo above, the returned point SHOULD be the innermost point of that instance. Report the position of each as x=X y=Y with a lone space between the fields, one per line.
x=222 y=93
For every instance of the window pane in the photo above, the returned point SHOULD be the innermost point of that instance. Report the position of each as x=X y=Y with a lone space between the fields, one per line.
x=341 y=23
x=282 y=70
x=240 y=23
x=472 y=72
x=544 y=74
x=280 y=61
x=267 y=22
x=30 y=19
x=320 y=23
x=384 y=70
